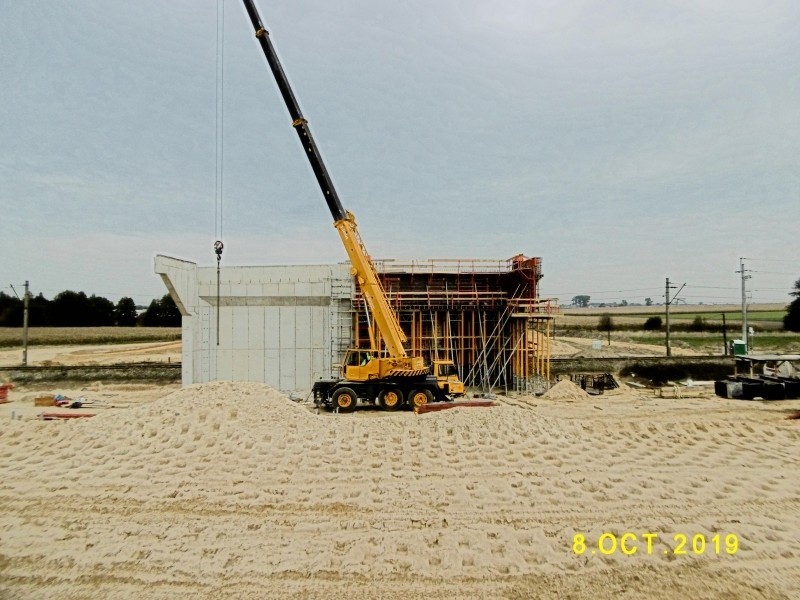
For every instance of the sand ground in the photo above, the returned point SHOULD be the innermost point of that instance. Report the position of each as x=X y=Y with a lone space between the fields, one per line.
x=564 y=347
x=108 y=354
x=232 y=490
x=94 y=354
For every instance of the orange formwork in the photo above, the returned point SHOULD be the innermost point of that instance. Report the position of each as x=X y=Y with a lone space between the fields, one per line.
x=486 y=316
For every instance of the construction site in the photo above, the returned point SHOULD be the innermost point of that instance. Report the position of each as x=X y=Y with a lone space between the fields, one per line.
x=372 y=427
x=291 y=325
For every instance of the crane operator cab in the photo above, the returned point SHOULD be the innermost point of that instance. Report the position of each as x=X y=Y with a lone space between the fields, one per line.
x=447 y=379
x=359 y=365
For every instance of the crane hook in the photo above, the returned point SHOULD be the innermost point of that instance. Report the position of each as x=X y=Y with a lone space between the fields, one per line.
x=218 y=246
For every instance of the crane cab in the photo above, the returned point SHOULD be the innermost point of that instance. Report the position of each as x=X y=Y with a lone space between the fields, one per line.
x=360 y=365
x=447 y=379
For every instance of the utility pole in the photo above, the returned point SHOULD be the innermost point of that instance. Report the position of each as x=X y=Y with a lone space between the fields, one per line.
x=667 y=303
x=724 y=336
x=26 y=299
x=743 y=271
x=669 y=349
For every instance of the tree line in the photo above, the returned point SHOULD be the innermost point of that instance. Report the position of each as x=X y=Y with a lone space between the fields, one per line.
x=76 y=309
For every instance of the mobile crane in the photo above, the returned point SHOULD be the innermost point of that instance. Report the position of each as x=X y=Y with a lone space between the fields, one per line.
x=391 y=378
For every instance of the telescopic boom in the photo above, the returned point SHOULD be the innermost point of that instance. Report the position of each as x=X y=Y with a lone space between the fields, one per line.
x=298 y=121
x=345 y=223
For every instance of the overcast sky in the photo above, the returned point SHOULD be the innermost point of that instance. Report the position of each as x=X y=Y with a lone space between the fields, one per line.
x=622 y=141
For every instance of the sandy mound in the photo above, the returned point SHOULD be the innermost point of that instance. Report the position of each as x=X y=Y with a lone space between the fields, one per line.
x=566 y=390
x=231 y=489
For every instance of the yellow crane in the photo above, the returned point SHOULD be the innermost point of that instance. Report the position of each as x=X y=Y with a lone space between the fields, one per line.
x=390 y=378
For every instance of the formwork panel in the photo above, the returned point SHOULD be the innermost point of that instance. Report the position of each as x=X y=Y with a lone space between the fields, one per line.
x=226 y=326
x=272 y=367
x=255 y=327
x=240 y=327
x=287 y=324
x=303 y=326
x=255 y=365
x=287 y=379
x=302 y=288
x=222 y=369
x=302 y=369
x=239 y=364
x=272 y=329
x=286 y=288
x=319 y=367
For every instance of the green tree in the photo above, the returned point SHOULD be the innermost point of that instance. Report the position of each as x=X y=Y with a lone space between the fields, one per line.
x=791 y=322
x=70 y=309
x=606 y=323
x=10 y=311
x=125 y=312
x=581 y=301
x=171 y=313
x=162 y=313
x=648 y=302
x=151 y=317
x=100 y=311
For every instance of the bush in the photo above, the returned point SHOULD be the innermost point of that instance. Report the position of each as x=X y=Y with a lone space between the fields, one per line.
x=791 y=322
x=699 y=324
x=653 y=324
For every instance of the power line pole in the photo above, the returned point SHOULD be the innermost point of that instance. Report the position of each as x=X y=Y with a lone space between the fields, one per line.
x=668 y=302
x=745 y=277
x=666 y=295
x=724 y=336
x=26 y=298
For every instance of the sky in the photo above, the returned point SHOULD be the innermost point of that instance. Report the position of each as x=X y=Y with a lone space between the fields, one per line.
x=623 y=142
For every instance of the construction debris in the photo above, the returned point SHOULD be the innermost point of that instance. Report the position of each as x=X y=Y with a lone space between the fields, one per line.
x=4 y=392
x=594 y=383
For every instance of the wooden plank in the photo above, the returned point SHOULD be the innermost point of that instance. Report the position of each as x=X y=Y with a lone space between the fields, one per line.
x=435 y=406
x=48 y=416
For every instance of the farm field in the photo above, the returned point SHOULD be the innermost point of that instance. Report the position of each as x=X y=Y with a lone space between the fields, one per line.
x=61 y=336
x=706 y=342
x=762 y=317
x=658 y=309
x=628 y=326
x=756 y=313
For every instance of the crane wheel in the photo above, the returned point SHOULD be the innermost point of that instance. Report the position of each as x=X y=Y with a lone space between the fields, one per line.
x=391 y=398
x=345 y=400
x=419 y=398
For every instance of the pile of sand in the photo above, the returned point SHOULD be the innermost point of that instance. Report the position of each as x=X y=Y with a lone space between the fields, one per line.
x=566 y=390
x=232 y=489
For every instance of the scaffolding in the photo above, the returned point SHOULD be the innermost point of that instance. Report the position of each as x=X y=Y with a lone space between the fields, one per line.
x=483 y=315
x=341 y=322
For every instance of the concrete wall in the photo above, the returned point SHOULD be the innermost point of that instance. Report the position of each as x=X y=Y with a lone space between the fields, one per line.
x=277 y=324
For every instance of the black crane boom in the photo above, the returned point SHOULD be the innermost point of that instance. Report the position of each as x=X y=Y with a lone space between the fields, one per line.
x=298 y=121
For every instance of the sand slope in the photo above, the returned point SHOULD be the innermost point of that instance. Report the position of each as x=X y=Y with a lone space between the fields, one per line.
x=232 y=489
